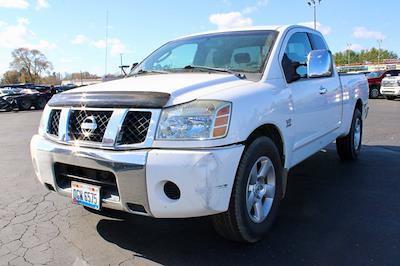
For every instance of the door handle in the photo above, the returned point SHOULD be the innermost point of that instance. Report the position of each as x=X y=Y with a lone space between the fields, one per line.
x=323 y=90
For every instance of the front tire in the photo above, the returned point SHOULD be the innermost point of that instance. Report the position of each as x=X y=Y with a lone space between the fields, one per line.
x=40 y=103
x=349 y=147
x=256 y=194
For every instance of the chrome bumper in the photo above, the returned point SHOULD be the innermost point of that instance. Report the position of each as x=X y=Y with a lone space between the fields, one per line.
x=128 y=168
x=204 y=176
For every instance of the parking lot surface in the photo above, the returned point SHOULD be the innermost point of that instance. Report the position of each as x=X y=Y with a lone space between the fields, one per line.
x=335 y=213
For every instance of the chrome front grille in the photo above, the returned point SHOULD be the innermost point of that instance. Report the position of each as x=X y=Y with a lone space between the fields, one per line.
x=103 y=128
x=78 y=117
x=54 y=121
x=134 y=128
x=389 y=84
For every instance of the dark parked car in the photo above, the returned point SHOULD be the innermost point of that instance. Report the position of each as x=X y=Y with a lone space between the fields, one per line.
x=22 y=99
x=62 y=88
x=375 y=79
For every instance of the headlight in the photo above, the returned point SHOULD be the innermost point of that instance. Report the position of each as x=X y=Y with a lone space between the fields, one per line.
x=197 y=120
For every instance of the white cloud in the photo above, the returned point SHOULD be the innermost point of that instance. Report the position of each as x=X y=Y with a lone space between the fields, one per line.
x=116 y=45
x=68 y=60
x=2 y=23
x=19 y=35
x=325 y=30
x=364 y=33
x=99 y=44
x=79 y=39
x=23 y=21
x=22 y=4
x=42 y=4
x=255 y=7
x=43 y=45
x=230 y=20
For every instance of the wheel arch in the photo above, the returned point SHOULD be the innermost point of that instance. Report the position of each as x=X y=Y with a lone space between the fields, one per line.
x=273 y=131
x=359 y=105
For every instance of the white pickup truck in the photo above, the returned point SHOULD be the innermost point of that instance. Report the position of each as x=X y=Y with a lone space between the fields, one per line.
x=208 y=124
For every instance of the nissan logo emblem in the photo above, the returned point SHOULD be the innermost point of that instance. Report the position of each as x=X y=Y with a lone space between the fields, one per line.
x=88 y=125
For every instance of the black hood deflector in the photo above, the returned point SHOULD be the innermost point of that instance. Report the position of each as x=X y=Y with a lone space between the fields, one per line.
x=111 y=99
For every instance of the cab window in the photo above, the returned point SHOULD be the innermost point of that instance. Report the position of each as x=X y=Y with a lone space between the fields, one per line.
x=317 y=42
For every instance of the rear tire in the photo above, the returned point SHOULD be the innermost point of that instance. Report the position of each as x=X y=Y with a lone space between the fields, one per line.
x=374 y=92
x=349 y=147
x=24 y=104
x=256 y=194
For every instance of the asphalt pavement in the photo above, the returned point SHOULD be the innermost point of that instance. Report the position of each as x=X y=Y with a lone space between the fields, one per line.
x=334 y=213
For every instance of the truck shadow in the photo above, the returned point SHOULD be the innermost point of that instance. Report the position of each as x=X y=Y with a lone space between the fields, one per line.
x=332 y=214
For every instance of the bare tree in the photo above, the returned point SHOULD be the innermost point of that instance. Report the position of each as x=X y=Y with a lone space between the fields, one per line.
x=32 y=62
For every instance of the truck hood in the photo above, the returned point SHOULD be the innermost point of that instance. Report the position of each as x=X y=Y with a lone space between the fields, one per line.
x=181 y=87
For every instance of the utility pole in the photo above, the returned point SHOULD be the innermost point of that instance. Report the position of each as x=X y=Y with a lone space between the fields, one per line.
x=314 y=3
x=106 y=55
x=348 y=53
x=379 y=50
x=122 y=72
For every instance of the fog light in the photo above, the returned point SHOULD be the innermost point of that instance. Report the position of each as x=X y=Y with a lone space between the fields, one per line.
x=172 y=191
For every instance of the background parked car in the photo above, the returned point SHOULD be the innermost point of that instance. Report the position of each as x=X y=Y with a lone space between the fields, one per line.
x=391 y=87
x=62 y=88
x=21 y=99
x=375 y=80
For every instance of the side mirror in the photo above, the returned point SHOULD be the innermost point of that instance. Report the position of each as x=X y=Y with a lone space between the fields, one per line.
x=319 y=64
x=134 y=65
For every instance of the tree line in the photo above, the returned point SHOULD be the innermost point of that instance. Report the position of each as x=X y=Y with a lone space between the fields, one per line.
x=364 y=56
x=32 y=66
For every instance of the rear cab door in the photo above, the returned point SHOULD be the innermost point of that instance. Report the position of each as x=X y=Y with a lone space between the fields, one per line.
x=317 y=102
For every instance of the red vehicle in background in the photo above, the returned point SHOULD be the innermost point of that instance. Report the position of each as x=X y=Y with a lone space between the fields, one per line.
x=375 y=79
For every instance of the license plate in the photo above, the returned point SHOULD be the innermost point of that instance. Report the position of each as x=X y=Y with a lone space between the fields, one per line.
x=86 y=195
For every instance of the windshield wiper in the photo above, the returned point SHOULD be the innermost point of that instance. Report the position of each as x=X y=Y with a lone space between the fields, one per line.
x=215 y=69
x=141 y=71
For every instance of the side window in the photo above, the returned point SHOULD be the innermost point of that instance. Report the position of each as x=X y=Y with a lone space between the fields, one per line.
x=394 y=73
x=317 y=42
x=297 y=50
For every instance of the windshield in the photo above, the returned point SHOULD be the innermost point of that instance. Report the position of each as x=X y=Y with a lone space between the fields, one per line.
x=241 y=52
x=375 y=74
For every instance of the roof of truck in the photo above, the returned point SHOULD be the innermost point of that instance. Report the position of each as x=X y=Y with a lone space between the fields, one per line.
x=279 y=28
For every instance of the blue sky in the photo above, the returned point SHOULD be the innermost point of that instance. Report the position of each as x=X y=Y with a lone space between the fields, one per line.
x=71 y=33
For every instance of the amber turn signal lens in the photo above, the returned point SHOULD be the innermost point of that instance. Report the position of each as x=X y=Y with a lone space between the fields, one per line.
x=219 y=132
x=221 y=122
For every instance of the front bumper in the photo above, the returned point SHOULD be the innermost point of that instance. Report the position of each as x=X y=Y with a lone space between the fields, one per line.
x=204 y=176
x=390 y=91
